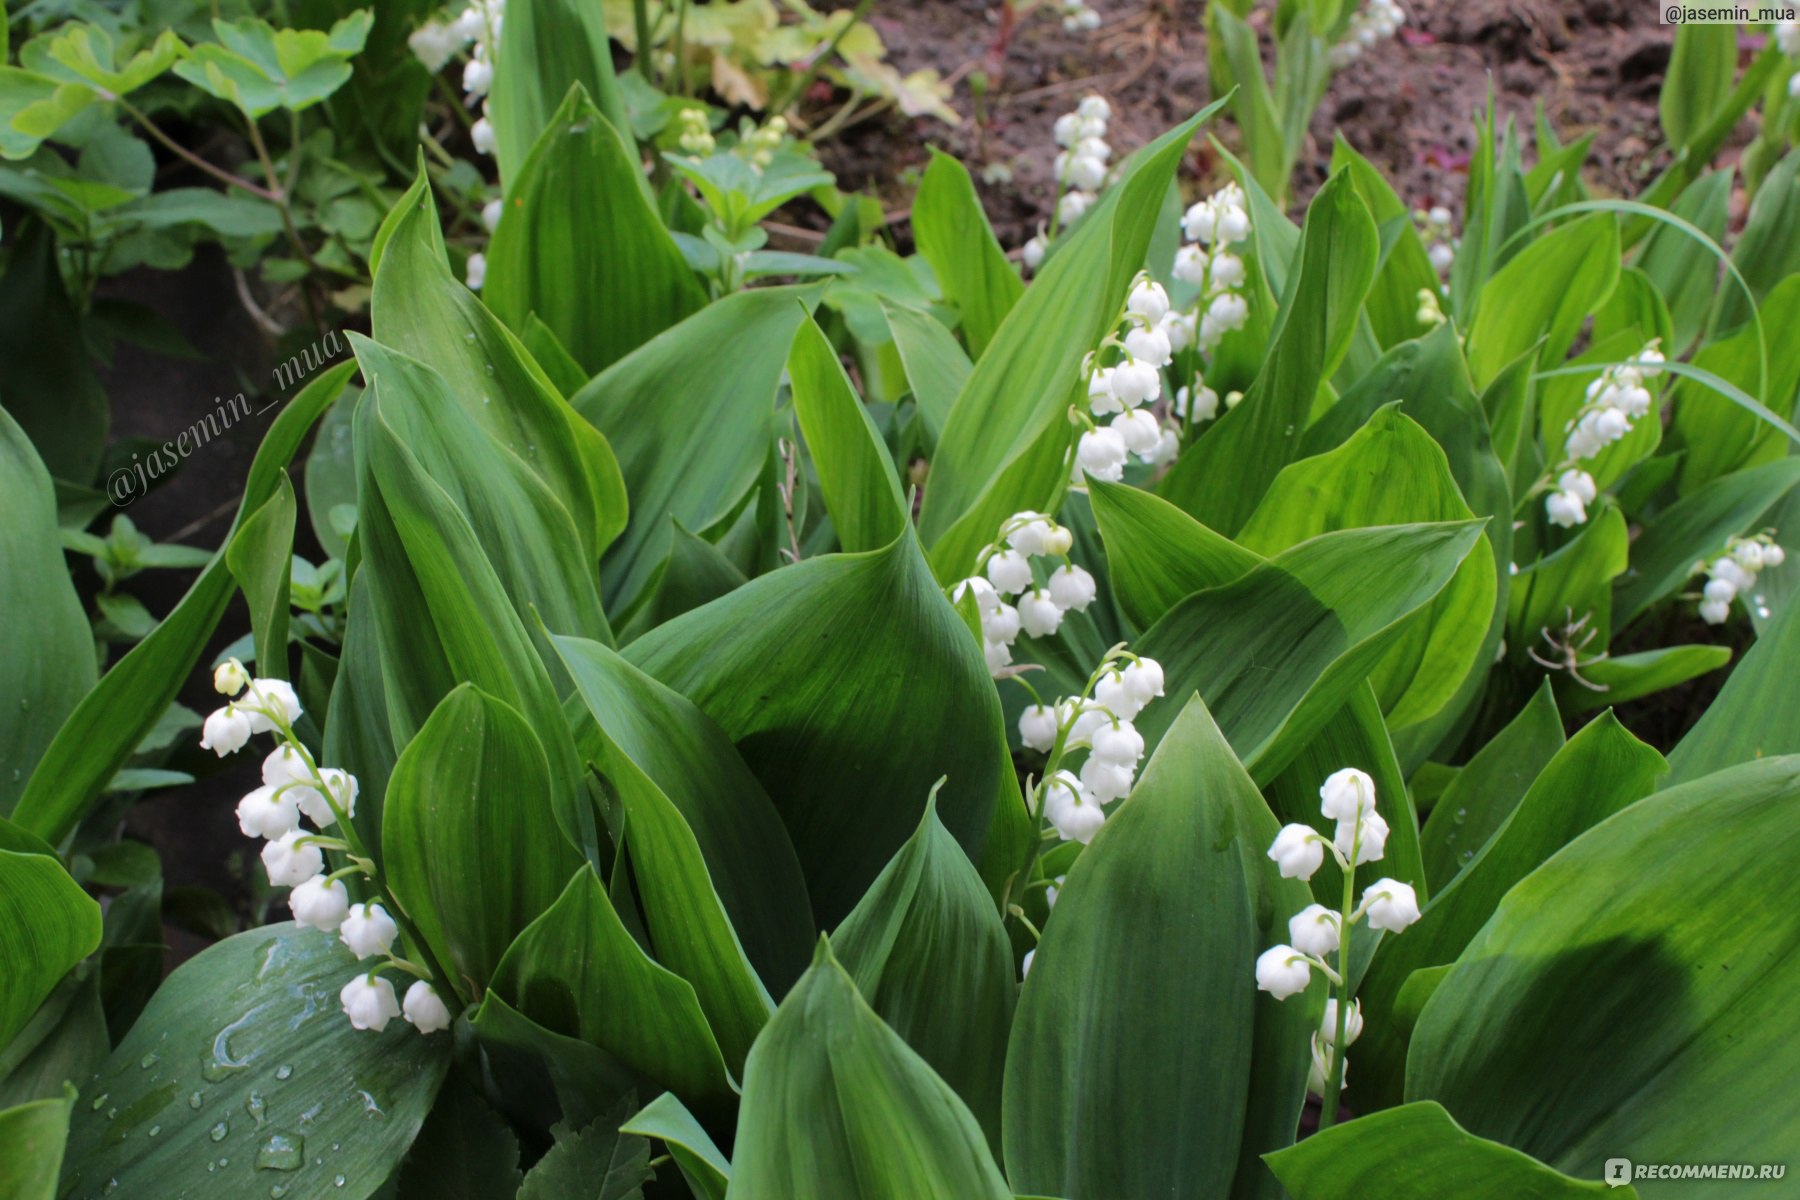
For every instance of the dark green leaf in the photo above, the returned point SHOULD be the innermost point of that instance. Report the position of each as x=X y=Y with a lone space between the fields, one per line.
x=259 y=556
x=464 y=1152
x=46 y=383
x=1752 y=717
x=954 y=237
x=861 y=488
x=1158 y=555
x=598 y=1163
x=31 y=1147
x=47 y=925
x=706 y=1171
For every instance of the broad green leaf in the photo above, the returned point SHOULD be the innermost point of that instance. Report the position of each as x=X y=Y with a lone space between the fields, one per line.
x=31 y=1147
x=64 y=1042
x=1019 y=392
x=46 y=384
x=954 y=237
x=581 y=246
x=691 y=761
x=599 y=1161
x=1694 y=529
x=1236 y=65
x=1545 y=291
x=358 y=738
x=1222 y=477
x=1405 y=265
x=464 y=1151
x=289 y=1093
x=936 y=366
x=1570 y=587
x=331 y=477
x=421 y=310
x=543 y=344
x=862 y=490
x=928 y=951
x=260 y=68
x=849 y=684
x=113 y=718
x=1598 y=772
x=1630 y=676
x=1752 y=716
x=1766 y=253
x=49 y=666
x=1665 y=960
x=715 y=372
x=1139 y=993
x=1418 y=1152
x=1280 y=649
x=1718 y=435
x=550 y=46
x=1698 y=81
x=837 y=1107
x=469 y=837
x=1683 y=267
x=1157 y=554
x=542 y=1076
x=706 y=1170
x=49 y=924
x=88 y=51
x=1390 y=472
x=576 y=971
x=693 y=572
x=260 y=556
x=1488 y=788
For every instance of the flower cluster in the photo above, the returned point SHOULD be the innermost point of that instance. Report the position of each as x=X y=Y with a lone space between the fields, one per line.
x=1374 y=21
x=294 y=787
x=1317 y=932
x=1787 y=36
x=695 y=138
x=765 y=140
x=1098 y=721
x=435 y=43
x=1007 y=593
x=1077 y=16
x=1127 y=390
x=1081 y=169
x=1734 y=573
x=1614 y=400
x=1213 y=226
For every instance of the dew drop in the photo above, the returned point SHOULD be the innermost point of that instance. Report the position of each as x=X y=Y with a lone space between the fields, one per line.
x=282 y=1152
x=155 y=1129
x=102 y=1098
x=284 y=1071
x=219 y=1132
x=1468 y=855
x=112 y=1185
x=278 y=1191
x=1462 y=814
x=195 y=1099
x=337 y=1181
x=256 y=1106
x=149 y=1060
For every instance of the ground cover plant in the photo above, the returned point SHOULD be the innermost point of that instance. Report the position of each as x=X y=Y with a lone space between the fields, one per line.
x=1162 y=710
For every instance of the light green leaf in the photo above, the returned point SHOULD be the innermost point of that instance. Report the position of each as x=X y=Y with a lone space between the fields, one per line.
x=260 y=68
x=936 y=367
x=1545 y=291
x=706 y=1170
x=1698 y=81
x=953 y=235
x=49 y=924
x=856 y=475
x=260 y=557
x=1630 y=676
x=550 y=45
x=1158 y=555
x=31 y=1147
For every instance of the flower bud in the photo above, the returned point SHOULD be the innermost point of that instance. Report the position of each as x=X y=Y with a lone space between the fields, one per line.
x=263 y=814
x=369 y=1002
x=478 y=76
x=1390 y=905
x=1072 y=587
x=1059 y=541
x=1353 y=1022
x=268 y=699
x=1298 y=851
x=1031 y=533
x=1773 y=555
x=1442 y=256
x=425 y=1009
x=229 y=677
x=289 y=863
x=225 y=731
x=1033 y=253
x=482 y=135
x=368 y=930
x=1347 y=795
x=1037 y=728
x=1749 y=555
x=475 y=272
x=1314 y=929
x=320 y=903
x=1282 y=971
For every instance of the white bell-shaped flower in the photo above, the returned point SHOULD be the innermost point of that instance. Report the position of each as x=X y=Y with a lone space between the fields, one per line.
x=482 y=135
x=1087 y=722
x=268 y=698
x=1282 y=971
x=1009 y=572
x=997 y=655
x=225 y=730
x=320 y=902
x=1000 y=623
x=1298 y=851
x=1773 y=555
x=1233 y=225
x=265 y=814
x=229 y=677
x=1315 y=929
x=1067 y=130
x=425 y=1009
x=1105 y=781
x=1353 y=1022
x=1748 y=555
x=1102 y=453
x=1139 y=429
x=368 y=930
x=1143 y=680
x=1390 y=905
x=1073 y=206
x=369 y=1002
x=1031 y=534
x=1442 y=257
x=1117 y=696
x=1347 y=795
x=1148 y=300
x=1368 y=836
x=1071 y=810
x=1102 y=398
x=290 y=863
x=1033 y=252
x=1086 y=172
x=1149 y=344
x=1715 y=612
x=1227 y=271
x=1200 y=400
x=1167 y=448
x=1038 y=727
x=1072 y=587
x=1093 y=107
x=1039 y=613
x=491 y=212
x=1565 y=509
x=1720 y=591
x=478 y=76
x=1180 y=329
x=1728 y=569
x=1134 y=383
x=285 y=765
x=985 y=595
x=1190 y=264
x=1228 y=311
x=343 y=789
x=1118 y=742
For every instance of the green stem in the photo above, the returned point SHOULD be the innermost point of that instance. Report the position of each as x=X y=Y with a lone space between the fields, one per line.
x=640 y=19
x=192 y=159
x=1334 y=1083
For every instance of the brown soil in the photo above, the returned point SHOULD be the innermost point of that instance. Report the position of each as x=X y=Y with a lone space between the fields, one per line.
x=1593 y=65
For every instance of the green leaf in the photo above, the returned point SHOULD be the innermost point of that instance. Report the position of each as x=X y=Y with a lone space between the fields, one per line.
x=1419 y=1152
x=1158 y=555
x=936 y=366
x=600 y=1163
x=542 y=1076
x=576 y=971
x=46 y=383
x=1680 y=975
x=856 y=475
x=1223 y=476
x=718 y=371
x=928 y=951
x=581 y=246
x=252 y=1027
x=1718 y=432
x=64 y=1042
x=549 y=47
x=1405 y=268
x=113 y=718
x=1683 y=267
x=837 y=1107
x=1600 y=771
x=1488 y=788
x=260 y=556
x=1545 y=291
x=1630 y=676
x=1572 y=584
x=1237 y=68
x=88 y=51
x=1751 y=717
x=1701 y=68
x=1017 y=396
x=260 y=68
x=49 y=925
x=469 y=837
x=1694 y=530
x=1390 y=472
x=953 y=235
x=814 y=671
x=706 y=1170
x=693 y=764
x=693 y=572
x=1139 y=993
x=49 y=666
x=1280 y=649
x=423 y=311
x=31 y=1147
x=464 y=1152
x=1765 y=252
